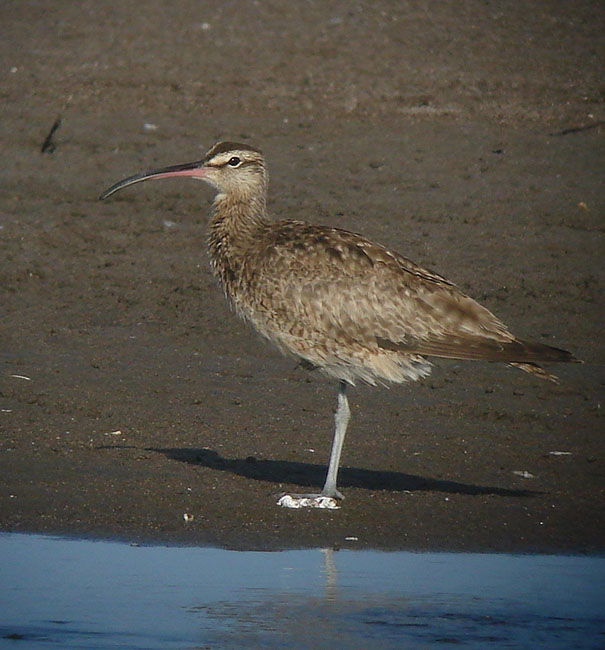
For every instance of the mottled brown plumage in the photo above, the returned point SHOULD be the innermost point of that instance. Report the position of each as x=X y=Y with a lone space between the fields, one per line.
x=332 y=298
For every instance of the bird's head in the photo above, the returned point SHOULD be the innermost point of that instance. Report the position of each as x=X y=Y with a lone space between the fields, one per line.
x=236 y=170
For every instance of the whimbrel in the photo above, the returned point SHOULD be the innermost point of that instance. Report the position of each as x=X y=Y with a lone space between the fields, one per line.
x=335 y=300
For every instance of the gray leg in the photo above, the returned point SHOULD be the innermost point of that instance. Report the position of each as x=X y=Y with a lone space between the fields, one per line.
x=329 y=494
x=341 y=421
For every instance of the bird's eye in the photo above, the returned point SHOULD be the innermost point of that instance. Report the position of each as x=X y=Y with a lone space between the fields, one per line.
x=234 y=162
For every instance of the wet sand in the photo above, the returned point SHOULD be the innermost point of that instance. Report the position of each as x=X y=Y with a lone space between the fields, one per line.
x=467 y=139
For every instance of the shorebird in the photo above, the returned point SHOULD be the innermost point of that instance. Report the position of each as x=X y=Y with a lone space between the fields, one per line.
x=335 y=300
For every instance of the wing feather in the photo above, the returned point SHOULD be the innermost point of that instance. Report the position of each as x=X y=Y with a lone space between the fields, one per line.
x=333 y=285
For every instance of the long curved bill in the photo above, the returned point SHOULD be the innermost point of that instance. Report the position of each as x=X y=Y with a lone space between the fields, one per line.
x=194 y=170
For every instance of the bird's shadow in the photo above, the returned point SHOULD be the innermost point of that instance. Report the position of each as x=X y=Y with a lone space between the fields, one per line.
x=311 y=475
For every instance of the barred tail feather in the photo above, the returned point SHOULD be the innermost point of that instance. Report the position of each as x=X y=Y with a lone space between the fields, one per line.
x=538 y=371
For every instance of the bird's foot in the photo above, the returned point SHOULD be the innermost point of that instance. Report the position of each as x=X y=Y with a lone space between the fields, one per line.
x=310 y=501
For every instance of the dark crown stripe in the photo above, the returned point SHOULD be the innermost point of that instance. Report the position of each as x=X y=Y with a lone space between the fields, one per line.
x=225 y=147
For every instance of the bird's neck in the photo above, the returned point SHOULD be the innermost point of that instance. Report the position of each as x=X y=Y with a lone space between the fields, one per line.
x=233 y=232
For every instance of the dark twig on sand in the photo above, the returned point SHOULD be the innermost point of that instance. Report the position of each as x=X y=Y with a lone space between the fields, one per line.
x=579 y=129
x=49 y=146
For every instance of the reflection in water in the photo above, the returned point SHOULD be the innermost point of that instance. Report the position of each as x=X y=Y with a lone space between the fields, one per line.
x=330 y=573
x=60 y=593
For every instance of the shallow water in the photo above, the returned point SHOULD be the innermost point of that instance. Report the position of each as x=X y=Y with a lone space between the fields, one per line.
x=63 y=593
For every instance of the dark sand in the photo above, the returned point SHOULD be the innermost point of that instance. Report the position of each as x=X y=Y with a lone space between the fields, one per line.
x=467 y=136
